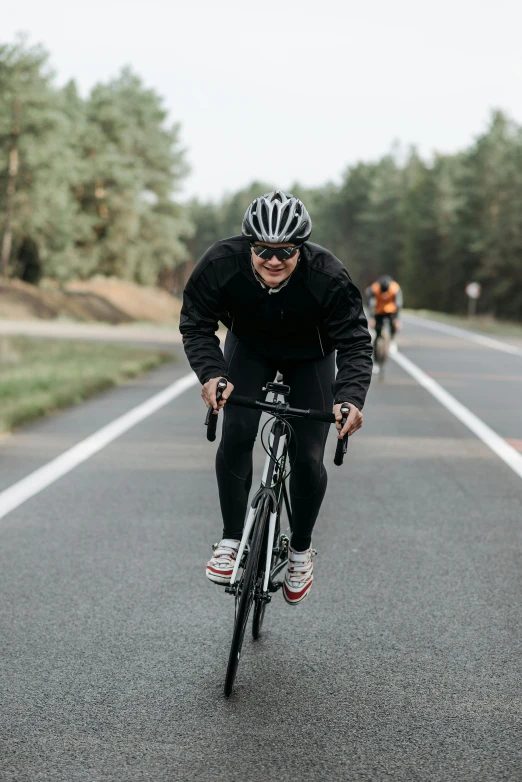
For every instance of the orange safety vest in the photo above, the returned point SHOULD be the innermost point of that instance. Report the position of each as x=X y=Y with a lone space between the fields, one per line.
x=385 y=302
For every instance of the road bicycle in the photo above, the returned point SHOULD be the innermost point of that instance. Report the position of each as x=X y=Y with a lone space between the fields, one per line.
x=263 y=550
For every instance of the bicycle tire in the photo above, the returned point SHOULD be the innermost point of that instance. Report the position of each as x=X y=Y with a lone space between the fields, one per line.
x=247 y=594
x=380 y=351
x=258 y=619
x=260 y=606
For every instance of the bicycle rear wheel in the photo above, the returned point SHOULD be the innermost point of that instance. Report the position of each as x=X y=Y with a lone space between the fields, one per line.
x=381 y=353
x=247 y=587
x=380 y=350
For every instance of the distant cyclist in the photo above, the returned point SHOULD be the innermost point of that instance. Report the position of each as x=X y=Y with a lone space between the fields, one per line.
x=288 y=305
x=384 y=301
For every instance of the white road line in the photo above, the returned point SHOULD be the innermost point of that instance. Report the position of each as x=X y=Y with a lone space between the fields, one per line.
x=38 y=480
x=490 y=438
x=471 y=336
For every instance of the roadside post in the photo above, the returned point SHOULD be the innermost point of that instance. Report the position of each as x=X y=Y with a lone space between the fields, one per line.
x=473 y=291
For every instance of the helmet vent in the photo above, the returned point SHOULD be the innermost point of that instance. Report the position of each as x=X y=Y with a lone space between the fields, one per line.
x=274 y=221
x=285 y=214
x=293 y=225
x=256 y=223
x=263 y=218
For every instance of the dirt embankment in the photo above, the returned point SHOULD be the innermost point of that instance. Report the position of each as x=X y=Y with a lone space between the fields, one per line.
x=101 y=299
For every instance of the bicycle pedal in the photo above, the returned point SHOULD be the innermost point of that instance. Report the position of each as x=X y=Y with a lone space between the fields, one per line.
x=282 y=551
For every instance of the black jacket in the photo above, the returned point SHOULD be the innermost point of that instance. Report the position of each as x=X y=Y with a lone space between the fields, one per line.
x=318 y=311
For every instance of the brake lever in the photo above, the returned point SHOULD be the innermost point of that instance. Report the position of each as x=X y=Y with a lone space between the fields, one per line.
x=342 y=445
x=211 y=419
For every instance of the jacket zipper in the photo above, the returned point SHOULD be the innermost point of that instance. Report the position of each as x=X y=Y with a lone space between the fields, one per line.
x=320 y=340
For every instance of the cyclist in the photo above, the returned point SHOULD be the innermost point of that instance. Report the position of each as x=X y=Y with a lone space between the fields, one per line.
x=384 y=301
x=288 y=305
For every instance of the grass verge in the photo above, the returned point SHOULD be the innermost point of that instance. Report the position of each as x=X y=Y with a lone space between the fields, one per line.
x=487 y=325
x=39 y=376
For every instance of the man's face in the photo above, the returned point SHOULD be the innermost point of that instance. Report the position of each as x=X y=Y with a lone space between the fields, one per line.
x=272 y=270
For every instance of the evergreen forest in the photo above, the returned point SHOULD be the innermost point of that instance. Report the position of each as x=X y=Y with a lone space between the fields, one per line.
x=90 y=185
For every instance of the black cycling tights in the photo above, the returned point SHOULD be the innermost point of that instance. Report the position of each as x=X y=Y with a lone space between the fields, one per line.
x=311 y=386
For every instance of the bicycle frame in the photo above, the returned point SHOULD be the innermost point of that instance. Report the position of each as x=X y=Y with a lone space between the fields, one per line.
x=273 y=468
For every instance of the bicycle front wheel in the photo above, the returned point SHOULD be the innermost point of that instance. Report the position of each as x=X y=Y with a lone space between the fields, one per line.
x=260 y=606
x=247 y=587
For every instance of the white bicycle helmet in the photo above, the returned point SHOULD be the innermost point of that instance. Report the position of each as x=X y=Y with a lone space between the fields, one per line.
x=277 y=217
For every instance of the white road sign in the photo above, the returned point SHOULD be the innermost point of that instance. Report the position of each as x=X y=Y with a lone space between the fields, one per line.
x=473 y=290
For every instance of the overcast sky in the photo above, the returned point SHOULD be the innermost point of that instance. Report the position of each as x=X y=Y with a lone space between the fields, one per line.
x=286 y=90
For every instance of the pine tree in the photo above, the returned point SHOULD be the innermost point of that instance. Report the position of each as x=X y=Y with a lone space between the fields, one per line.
x=34 y=194
x=133 y=165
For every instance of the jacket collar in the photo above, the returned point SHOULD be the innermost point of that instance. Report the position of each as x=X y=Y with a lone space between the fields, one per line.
x=281 y=285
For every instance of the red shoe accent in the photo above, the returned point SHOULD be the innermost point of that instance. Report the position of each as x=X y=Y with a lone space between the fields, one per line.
x=293 y=597
x=220 y=572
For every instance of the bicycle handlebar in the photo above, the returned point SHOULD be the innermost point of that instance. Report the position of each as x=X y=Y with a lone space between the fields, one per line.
x=281 y=408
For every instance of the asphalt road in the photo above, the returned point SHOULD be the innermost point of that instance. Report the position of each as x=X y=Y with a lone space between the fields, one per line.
x=403 y=664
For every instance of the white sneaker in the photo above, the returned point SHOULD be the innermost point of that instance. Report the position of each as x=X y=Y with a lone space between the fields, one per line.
x=376 y=369
x=299 y=575
x=221 y=565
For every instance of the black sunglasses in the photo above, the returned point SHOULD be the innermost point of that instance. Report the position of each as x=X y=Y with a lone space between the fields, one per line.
x=281 y=253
